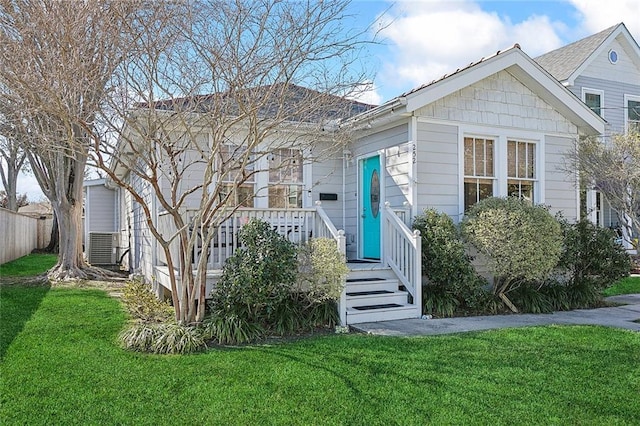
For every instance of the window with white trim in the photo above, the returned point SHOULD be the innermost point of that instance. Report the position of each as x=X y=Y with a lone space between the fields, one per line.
x=521 y=169
x=285 y=178
x=594 y=100
x=479 y=170
x=237 y=180
x=633 y=113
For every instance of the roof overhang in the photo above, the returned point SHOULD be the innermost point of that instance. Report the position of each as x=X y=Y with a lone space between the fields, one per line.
x=518 y=64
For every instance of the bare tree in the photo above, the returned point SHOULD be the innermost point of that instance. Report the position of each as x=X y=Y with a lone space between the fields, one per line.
x=613 y=167
x=236 y=90
x=58 y=58
x=12 y=162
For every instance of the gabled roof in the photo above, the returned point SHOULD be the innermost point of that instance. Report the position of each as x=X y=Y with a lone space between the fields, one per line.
x=567 y=62
x=512 y=60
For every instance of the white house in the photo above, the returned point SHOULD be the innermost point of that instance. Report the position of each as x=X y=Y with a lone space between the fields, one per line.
x=499 y=126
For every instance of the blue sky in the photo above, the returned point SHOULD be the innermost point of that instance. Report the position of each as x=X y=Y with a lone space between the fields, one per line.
x=427 y=39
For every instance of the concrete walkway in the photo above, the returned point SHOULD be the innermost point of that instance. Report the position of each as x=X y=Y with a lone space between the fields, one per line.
x=619 y=317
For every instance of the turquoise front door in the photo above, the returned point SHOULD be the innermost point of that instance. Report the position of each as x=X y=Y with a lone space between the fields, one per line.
x=370 y=207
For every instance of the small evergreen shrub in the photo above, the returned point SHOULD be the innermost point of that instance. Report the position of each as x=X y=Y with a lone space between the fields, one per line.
x=271 y=287
x=591 y=256
x=258 y=277
x=522 y=242
x=322 y=270
x=142 y=304
x=452 y=281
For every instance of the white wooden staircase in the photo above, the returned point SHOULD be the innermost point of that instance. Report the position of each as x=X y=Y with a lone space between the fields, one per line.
x=374 y=293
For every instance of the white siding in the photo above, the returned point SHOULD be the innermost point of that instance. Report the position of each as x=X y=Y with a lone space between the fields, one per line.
x=560 y=186
x=621 y=72
x=392 y=145
x=499 y=100
x=438 y=168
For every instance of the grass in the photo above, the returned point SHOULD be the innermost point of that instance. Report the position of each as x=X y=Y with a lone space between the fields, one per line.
x=32 y=264
x=63 y=366
x=629 y=285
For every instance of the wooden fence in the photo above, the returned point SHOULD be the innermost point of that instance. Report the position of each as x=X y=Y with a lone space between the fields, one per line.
x=20 y=234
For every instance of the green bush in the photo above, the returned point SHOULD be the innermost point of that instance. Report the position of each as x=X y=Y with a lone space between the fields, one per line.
x=452 y=281
x=322 y=270
x=142 y=304
x=591 y=256
x=444 y=261
x=162 y=338
x=521 y=241
x=269 y=286
x=258 y=277
x=230 y=329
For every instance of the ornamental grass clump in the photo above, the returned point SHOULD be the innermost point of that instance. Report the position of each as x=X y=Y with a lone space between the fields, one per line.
x=153 y=329
x=522 y=242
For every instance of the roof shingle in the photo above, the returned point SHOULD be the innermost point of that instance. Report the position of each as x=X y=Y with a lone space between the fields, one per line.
x=563 y=62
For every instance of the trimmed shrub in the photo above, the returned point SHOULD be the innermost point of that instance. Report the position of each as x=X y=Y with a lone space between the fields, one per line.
x=452 y=281
x=522 y=242
x=142 y=304
x=258 y=277
x=591 y=256
x=322 y=270
x=271 y=287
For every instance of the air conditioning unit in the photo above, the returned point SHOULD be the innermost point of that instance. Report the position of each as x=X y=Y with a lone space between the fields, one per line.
x=103 y=248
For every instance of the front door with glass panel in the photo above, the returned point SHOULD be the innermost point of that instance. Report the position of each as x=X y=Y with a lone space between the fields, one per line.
x=370 y=207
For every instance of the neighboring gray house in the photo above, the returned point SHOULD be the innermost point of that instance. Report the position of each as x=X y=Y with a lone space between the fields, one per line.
x=603 y=70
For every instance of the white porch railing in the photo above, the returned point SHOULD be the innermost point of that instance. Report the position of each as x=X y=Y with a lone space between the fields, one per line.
x=326 y=229
x=403 y=254
x=298 y=225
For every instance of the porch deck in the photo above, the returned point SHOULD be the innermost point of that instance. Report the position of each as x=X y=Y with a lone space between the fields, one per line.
x=375 y=290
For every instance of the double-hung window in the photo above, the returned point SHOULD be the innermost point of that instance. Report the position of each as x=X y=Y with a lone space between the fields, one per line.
x=285 y=178
x=521 y=169
x=479 y=170
x=237 y=180
x=632 y=104
x=594 y=99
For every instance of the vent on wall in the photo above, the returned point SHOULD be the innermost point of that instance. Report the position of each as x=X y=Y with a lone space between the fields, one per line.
x=103 y=248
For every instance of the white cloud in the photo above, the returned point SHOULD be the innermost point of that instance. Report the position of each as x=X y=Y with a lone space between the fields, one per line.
x=430 y=39
x=27 y=184
x=598 y=15
x=367 y=93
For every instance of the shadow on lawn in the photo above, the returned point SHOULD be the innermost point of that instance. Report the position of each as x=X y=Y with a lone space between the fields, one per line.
x=19 y=299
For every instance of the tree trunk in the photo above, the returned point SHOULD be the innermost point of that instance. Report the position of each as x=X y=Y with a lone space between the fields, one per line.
x=54 y=243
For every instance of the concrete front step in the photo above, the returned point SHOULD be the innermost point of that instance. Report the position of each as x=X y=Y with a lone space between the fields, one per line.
x=377 y=297
x=355 y=316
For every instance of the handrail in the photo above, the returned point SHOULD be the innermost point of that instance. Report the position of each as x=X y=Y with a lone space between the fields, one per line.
x=403 y=254
x=325 y=228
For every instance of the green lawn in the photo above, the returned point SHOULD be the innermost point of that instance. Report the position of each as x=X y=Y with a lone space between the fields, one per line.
x=32 y=264
x=629 y=285
x=61 y=365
